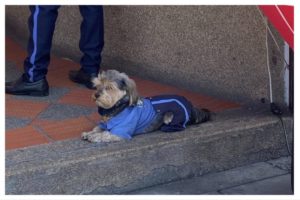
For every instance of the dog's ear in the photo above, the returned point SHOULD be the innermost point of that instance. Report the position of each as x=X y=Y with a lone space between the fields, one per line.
x=96 y=81
x=131 y=89
x=102 y=75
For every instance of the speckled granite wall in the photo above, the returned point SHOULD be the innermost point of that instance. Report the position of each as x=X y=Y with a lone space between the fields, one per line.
x=217 y=50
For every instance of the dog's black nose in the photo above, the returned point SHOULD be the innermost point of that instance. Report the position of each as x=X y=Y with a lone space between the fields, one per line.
x=97 y=95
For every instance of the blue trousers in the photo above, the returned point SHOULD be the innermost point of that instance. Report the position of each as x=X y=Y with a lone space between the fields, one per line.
x=41 y=24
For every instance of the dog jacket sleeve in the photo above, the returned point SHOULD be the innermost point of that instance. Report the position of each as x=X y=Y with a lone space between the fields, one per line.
x=122 y=125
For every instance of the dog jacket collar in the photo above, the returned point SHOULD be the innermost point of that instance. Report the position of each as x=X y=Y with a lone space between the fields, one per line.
x=116 y=109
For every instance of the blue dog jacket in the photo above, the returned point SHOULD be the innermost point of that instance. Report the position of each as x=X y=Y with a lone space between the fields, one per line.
x=133 y=120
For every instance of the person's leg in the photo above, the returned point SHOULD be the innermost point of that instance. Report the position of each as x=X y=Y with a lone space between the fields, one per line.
x=41 y=25
x=91 y=44
x=92 y=38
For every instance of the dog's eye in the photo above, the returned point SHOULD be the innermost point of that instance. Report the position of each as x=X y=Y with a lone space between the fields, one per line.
x=108 y=88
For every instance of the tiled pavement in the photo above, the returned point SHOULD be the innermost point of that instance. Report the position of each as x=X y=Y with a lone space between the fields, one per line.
x=68 y=110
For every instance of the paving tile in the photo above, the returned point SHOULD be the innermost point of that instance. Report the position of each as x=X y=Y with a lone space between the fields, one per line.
x=82 y=97
x=23 y=137
x=55 y=93
x=24 y=108
x=58 y=63
x=94 y=117
x=15 y=122
x=60 y=78
x=65 y=129
x=58 y=72
x=65 y=111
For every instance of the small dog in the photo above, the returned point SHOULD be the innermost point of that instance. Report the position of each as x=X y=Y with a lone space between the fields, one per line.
x=125 y=114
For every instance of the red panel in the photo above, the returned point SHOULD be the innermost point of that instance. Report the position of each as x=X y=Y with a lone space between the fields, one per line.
x=282 y=18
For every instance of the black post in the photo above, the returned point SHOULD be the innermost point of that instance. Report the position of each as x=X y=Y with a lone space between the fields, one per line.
x=291 y=107
x=291 y=81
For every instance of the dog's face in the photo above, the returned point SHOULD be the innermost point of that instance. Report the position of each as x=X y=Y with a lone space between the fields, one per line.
x=111 y=86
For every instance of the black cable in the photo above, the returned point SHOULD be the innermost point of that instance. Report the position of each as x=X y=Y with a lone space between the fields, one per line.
x=277 y=111
x=285 y=134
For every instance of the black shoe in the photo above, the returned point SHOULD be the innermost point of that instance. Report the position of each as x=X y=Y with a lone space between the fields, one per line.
x=23 y=87
x=200 y=115
x=82 y=78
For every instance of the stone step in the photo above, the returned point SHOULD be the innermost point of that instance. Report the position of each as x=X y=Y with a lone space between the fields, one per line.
x=232 y=139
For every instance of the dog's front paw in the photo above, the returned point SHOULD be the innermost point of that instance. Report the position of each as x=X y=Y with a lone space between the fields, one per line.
x=84 y=135
x=95 y=137
x=104 y=136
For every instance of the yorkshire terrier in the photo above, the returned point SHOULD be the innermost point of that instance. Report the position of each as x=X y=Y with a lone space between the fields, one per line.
x=125 y=114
